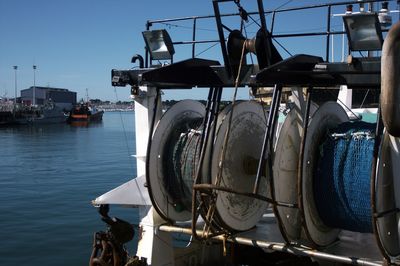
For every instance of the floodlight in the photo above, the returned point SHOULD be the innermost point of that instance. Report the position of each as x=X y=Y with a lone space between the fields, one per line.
x=159 y=44
x=363 y=31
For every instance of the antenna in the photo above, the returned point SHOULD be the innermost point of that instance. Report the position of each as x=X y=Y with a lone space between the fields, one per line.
x=87 y=95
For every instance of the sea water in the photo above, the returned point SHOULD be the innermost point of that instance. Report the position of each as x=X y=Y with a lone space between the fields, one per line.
x=48 y=176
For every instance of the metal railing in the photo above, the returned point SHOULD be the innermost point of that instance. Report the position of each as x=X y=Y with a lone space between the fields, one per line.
x=284 y=11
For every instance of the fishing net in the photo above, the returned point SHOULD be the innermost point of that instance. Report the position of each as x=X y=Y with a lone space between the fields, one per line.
x=341 y=182
x=182 y=153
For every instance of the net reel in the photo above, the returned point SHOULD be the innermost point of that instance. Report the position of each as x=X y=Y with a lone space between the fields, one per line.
x=285 y=173
x=387 y=195
x=234 y=165
x=328 y=116
x=316 y=222
x=287 y=160
x=170 y=188
x=174 y=159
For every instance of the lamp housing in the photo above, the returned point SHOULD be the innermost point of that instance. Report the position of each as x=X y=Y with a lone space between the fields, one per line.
x=159 y=44
x=363 y=32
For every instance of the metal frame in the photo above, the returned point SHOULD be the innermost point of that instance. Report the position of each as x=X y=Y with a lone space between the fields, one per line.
x=195 y=19
x=293 y=71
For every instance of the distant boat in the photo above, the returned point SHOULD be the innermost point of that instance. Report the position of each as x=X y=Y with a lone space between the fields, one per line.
x=16 y=114
x=85 y=112
x=46 y=114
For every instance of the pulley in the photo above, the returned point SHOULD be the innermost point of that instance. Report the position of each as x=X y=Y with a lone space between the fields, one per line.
x=261 y=45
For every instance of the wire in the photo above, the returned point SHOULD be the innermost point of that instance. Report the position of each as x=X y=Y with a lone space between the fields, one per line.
x=365 y=97
x=284 y=4
x=185 y=27
x=205 y=50
x=280 y=45
x=348 y=108
x=124 y=130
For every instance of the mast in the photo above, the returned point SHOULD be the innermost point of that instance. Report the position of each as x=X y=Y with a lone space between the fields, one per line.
x=87 y=95
x=34 y=86
x=15 y=83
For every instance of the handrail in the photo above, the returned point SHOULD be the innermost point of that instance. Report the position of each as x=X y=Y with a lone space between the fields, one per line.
x=328 y=32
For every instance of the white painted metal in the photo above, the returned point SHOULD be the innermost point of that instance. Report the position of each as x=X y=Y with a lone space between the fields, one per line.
x=131 y=193
x=144 y=105
x=285 y=172
x=239 y=166
x=328 y=115
x=388 y=194
x=154 y=244
x=285 y=165
x=345 y=97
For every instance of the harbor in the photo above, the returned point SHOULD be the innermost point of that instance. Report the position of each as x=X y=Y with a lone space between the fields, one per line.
x=53 y=112
x=49 y=175
x=247 y=133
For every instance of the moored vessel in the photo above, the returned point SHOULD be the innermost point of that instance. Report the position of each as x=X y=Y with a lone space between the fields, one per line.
x=83 y=112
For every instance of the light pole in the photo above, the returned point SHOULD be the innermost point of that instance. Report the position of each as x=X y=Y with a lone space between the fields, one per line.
x=34 y=86
x=15 y=83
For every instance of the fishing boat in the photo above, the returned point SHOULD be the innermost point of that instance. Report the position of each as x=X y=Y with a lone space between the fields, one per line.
x=85 y=112
x=302 y=183
x=17 y=114
x=6 y=113
x=48 y=113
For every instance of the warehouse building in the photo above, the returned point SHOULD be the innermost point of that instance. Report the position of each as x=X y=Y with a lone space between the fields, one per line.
x=61 y=97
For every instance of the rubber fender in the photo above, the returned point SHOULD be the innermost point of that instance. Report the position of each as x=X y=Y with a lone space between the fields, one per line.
x=390 y=81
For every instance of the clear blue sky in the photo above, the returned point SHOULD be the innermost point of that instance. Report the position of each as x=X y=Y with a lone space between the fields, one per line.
x=76 y=43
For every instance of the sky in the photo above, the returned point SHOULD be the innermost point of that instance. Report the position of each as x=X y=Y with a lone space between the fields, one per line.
x=76 y=43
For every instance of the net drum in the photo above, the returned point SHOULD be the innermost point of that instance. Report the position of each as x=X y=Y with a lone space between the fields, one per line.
x=172 y=159
x=387 y=195
x=239 y=166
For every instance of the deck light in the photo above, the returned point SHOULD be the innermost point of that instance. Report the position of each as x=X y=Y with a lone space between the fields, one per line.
x=159 y=44
x=363 y=31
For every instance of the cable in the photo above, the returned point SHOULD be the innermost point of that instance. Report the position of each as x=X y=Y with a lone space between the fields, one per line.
x=205 y=50
x=280 y=45
x=365 y=97
x=348 y=108
x=124 y=130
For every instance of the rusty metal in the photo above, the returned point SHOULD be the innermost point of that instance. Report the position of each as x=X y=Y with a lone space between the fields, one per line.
x=277 y=246
x=208 y=189
x=106 y=252
x=108 y=247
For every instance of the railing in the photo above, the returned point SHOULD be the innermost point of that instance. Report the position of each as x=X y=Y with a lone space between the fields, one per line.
x=280 y=11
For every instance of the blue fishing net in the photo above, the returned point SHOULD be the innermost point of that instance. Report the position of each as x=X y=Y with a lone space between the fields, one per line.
x=341 y=180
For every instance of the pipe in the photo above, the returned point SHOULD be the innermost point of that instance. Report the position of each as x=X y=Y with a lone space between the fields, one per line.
x=390 y=81
x=276 y=246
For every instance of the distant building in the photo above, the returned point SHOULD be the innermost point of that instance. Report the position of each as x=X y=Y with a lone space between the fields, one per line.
x=61 y=97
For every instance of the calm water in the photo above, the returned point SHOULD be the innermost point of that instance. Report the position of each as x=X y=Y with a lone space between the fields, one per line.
x=48 y=177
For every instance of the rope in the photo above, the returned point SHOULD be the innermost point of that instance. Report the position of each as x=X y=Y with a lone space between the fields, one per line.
x=218 y=179
x=342 y=178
